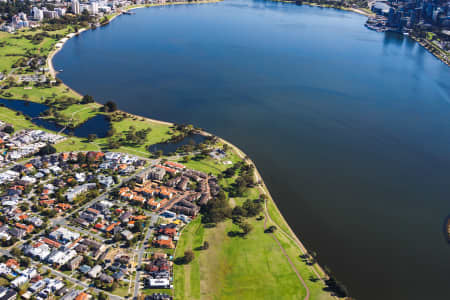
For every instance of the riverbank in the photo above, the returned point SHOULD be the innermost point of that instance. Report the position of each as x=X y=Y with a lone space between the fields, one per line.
x=432 y=49
x=436 y=52
x=355 y=10
x=52 y=70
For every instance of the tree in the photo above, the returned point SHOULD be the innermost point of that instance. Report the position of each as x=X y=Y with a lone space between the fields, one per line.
x=102 y=296
x=205 y=245
x=271 y=229
x=16 y=252
x=25 y=262
x=110 y=106
x=8 y=129
x=246 y=227
x=188 y=256
x=91 y=137
x=46 y=150
x=87 y=99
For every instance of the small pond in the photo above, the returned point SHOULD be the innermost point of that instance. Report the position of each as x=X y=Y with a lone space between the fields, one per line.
x=98 y=125
x=169 y=147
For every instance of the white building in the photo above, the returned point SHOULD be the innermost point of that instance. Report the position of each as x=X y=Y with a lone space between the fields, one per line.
x=76 y=7
x=60 y=11
x=94 y=8
x=158 y=283
x=41 y=252
x=19 y=281
x=95 y=271
x=64 y=235
x=38 y=14
x=61 y=258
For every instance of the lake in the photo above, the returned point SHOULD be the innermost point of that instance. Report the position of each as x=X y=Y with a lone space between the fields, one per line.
x=350 y=128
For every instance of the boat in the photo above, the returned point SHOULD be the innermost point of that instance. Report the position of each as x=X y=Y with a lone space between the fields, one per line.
x=60 y=70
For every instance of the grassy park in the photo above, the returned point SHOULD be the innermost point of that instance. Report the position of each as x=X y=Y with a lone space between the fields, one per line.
x=253 y=267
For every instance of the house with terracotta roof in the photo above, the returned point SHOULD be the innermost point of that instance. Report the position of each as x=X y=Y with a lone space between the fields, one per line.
x=46 y=202
x=63 y=206
x=99 y=226
x=64 y=156
x=164 y=244
x=51 y=243
x=168 y=231
x=111 y=226
x=174 y=165
x=164 y=193
x=167 y=169
x=153 y=204
x=27 y=228
x=12 y=263
x=83 y=296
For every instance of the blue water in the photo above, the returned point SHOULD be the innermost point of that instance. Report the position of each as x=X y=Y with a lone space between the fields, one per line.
x=98 y=125
x=350 y=128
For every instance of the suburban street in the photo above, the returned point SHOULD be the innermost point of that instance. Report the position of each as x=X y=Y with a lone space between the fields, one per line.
x=153 y=220
x=63 y=221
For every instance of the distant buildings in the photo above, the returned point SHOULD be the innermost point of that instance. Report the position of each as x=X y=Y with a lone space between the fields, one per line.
x=404 y=14
x=76 y=7
x=38 y=15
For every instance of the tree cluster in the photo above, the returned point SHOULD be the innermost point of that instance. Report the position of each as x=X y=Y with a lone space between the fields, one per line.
x=216 y=210
x=110 y=106
x=248 y=209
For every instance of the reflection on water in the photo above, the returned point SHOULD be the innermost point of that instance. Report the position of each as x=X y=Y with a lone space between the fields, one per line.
x=167 y=148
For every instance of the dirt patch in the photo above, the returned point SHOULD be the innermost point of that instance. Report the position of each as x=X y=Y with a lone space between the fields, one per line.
x=232 y=202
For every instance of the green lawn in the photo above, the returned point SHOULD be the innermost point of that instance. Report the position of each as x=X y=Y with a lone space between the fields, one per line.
x=240 y=268
x=19 y=121
x=39 y=94
x=18 y=45
x=210 y=165
x=79 y=113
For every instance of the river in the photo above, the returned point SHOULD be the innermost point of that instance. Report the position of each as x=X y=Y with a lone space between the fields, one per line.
x=350 y=128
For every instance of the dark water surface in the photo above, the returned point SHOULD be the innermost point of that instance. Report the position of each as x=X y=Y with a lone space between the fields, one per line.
x=168 y=148
x=349 y=127
x=98 y=125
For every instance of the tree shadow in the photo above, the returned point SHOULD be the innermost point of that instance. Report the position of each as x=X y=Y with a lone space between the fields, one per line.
x=179 y=261
x=235 y=233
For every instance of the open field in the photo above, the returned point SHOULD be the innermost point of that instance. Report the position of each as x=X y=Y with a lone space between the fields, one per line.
x=253 y=267
x=79 y=113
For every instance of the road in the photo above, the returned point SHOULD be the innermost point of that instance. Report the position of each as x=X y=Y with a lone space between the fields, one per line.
x=152 y=222
x=63 y=220
x=73 y=280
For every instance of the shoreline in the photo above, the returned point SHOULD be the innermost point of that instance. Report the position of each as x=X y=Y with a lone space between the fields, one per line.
x=51 y=55
x=265 y=190
x=367 y=14
x=312 y=4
